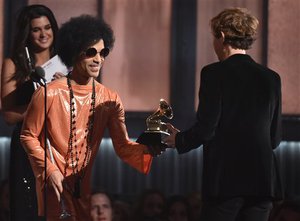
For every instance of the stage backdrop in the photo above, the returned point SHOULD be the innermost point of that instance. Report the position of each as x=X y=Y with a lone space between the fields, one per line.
x=171 y=173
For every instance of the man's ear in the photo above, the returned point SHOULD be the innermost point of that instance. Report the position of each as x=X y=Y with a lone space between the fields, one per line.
x=223 y=36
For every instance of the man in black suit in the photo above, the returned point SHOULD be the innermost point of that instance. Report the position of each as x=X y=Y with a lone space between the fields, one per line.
x=238 y=123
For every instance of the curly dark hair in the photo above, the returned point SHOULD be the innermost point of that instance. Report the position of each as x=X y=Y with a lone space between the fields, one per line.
x=22 y=37
x=79 y=33
x=238 y=26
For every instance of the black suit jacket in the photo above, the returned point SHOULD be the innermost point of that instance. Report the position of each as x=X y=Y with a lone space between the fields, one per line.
x=239 y=125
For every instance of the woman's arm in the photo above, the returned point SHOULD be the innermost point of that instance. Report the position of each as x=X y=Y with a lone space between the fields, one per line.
x=12 y=112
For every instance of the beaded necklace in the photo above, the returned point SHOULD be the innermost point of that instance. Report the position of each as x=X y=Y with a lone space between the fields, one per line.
x=72 y=144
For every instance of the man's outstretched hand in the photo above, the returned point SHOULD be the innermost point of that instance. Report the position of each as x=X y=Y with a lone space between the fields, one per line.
x=156 y=150
x=170 y=140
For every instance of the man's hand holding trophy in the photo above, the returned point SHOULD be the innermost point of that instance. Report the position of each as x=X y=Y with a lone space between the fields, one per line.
x=157 y=130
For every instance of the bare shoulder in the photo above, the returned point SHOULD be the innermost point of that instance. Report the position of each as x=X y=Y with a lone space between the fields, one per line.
x=8 y=84
x=8 y=67
x=7 y=73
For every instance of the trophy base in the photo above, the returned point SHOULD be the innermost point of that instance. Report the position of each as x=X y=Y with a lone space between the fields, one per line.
x=152 y=138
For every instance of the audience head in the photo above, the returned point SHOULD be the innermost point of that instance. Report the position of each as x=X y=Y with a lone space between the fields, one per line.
x=101 y=206
x=150 y=205
x=178 y=209
x=195 y=201
x=122 y=211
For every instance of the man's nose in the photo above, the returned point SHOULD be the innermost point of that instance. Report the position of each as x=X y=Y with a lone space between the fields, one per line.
x=99 y=210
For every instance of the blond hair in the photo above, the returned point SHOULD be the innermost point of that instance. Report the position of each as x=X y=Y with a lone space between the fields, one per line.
x=238 y=26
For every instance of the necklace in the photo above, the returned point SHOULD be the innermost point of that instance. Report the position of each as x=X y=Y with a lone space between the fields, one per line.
x=73 y=151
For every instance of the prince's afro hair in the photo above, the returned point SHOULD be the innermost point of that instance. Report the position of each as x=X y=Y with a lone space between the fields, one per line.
x=79 y=33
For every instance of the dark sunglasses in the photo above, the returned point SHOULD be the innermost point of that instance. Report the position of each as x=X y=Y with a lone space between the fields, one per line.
x=91 y=52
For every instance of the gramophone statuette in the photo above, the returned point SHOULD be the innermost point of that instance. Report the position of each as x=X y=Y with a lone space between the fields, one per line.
x=156 y=128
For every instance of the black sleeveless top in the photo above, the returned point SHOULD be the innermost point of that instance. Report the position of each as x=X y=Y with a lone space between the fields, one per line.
x=24 y=92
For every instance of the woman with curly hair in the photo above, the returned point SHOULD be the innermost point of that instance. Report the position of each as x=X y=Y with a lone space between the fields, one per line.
x=35 y=31
x=78 y=112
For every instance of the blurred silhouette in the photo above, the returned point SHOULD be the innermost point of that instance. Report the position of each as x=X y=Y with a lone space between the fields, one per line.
x=122 y=211
x=4 y=201
x=287 y=210
x=150 y=206
x=195 y=201
x=178 y=208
